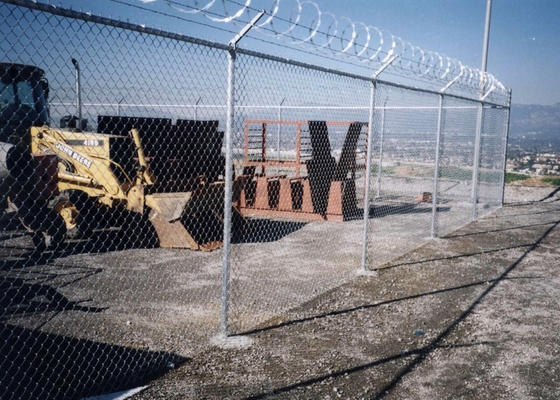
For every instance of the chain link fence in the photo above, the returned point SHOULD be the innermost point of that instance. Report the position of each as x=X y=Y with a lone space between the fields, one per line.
x=159 y=191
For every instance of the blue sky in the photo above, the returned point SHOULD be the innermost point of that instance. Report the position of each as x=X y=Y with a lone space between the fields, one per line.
x=524 y=37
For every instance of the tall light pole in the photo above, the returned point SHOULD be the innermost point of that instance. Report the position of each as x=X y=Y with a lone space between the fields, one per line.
x=486 y=36
x=480 y=112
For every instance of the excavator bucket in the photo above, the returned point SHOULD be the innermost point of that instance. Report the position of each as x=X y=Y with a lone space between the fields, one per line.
x=188 y=220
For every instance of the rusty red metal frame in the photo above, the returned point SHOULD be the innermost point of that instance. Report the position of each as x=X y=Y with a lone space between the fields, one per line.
x=280 y=195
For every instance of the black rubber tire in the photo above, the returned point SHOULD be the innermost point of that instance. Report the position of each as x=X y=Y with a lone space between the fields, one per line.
x=85 y=220
x=53 y=237
x=137 y=231
x=87 y=212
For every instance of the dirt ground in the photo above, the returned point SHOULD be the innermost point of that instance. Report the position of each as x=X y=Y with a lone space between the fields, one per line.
x=469 y=315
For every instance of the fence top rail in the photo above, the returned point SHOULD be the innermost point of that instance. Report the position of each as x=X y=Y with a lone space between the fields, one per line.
x=68 y=13
x=283 y=107
x=295 y=122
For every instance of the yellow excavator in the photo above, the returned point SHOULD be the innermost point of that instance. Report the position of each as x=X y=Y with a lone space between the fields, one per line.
x=27 y=182
x=98 y=171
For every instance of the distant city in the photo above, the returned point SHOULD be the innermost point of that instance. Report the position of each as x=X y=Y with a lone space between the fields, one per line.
x=534 y=140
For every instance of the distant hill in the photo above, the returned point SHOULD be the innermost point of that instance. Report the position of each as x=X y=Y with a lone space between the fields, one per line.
x=534 y=118
x=535 y=126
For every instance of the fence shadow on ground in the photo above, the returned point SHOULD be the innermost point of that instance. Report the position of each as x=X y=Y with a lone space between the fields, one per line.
x=22 y=297
x=63 y=367
x=71 y=368
x=266 y=230
x=24 y=254
x=385 y=210
x=136 y=232
x=427 y=350
x=397 y=264
x=362 y=307
x=419 y=354
x=513 y=228
x=128 y=230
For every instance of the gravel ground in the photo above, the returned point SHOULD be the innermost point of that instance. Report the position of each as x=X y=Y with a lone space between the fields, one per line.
x=469 y=315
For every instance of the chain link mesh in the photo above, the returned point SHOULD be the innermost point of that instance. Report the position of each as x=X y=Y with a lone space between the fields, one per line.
x=103 y=290
x=493 y=150
x=303 y=174
x=112 y=218
x=402 y=172
x=456 y=164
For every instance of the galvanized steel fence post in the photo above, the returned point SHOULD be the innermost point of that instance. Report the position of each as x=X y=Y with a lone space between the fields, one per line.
x=368 y=160
x=228 y=192
x=381 y=141
x=433 y=231
x=506 y=138
x=368 y=174
x=478 y=149
x=476 y=159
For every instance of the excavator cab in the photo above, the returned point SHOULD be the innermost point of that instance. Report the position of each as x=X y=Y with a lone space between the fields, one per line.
x=23 y=101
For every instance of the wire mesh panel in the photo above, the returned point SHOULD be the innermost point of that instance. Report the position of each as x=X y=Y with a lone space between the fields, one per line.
x=459 y=124
x=105 y=195
x=491 y=172
x=299 y=185
x=406 y=124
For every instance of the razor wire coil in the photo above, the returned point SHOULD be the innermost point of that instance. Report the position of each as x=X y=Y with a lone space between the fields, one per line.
x=305 y=25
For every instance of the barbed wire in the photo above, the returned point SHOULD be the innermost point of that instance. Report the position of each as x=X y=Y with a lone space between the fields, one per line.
x=302 y=23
